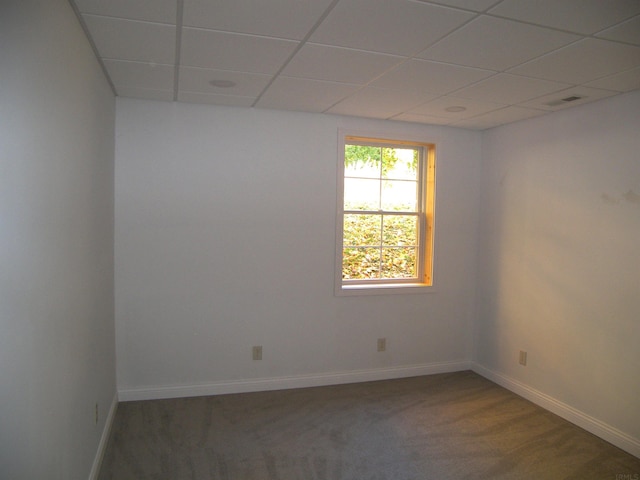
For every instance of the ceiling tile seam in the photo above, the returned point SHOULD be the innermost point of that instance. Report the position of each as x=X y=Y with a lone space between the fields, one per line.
x=560 y=96
x=224 y=71
x=628 y=19
x=359 y=50
x=408 y=59
x=508 y=71
x=619 y=42
x=462 y=25
x=510 y=104
x=246 y=34
x=463 y=9
x=499 y=110
x=561 y=30
x=542 y=55
x=87 y=34
x=619 y=72
x=409 y=112
x=505 y=70
x=176 y=63
x=577 y=85
x=332 y=82
x=302 y=42
x=140 y=62
x=556 y=50
x=164 y=24
x=228 y=95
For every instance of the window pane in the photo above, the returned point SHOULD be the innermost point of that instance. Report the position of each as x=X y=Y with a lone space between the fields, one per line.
x=362 y=161
x=362 y=171
x=361 y=230
x=399 y=195
x=399 y=262
x=400 y=163
x=361 y=194
x=400 y=230
x=360 y=263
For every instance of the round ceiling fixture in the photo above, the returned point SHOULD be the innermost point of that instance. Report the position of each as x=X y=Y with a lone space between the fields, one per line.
x=222 y=83
x=455 y=109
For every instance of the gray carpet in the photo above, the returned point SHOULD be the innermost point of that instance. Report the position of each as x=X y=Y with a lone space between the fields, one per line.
x=448 y=426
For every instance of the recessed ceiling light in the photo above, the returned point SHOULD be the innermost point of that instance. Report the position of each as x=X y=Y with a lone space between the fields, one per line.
x=455 y=109
x=222 y=83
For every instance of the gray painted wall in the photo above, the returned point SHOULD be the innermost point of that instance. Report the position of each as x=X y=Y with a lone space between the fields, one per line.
x=559 y=270
x=57 y=353
x=225 y=238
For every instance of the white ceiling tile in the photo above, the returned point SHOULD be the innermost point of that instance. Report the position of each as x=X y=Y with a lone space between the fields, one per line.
x=399 y=27
x=162 y=11
x=588 y=95
x=438 y=107
x=582 y=62
x=379 y=103
x=140 y=75
x=289 y=93
x=509 y=89
x=475 y=5
x=581 y=16
x=628 y=32
x=620 y=82
x=479 y=53
x=337 y=64
x=497 y=44
x=132 y=40
x=232 y=51
x=196 y=80
x=148 y=93
x=430 y=77
x=498 y=117
x=276 y=18
x=226 y=100
x=417 y=118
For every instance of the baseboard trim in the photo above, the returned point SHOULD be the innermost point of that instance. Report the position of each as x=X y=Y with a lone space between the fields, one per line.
x=606 y=432
x=296 y=381
x=104 y=439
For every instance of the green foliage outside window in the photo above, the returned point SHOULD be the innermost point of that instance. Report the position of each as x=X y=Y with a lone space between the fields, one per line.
x=359 y=156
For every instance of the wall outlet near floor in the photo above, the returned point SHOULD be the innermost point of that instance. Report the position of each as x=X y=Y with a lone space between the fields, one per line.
x=382 y=344
x=523 y=357
x=257 y=352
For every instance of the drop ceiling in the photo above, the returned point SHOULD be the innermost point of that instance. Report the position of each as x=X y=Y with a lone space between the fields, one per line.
x=467 y=63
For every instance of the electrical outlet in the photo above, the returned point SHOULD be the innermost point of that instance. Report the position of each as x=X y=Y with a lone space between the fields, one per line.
x=523 y=358
x=97 y=414
x=257 y=352
x=382 y=344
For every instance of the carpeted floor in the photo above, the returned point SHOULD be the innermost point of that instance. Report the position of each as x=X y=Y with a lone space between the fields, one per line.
x=448 y=426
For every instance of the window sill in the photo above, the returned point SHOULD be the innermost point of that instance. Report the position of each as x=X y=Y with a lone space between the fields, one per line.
x=383 y=289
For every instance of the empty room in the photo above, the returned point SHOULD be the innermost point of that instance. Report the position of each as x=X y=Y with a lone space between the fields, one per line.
x=319 y=239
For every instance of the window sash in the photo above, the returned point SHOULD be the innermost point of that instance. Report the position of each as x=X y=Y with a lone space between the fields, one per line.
x=419 y=212
x=426 y=183
x=419 y=246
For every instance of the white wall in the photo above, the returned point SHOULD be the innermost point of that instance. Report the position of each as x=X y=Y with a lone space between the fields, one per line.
x=559 y=272
x=56 y=244
x=225 y=238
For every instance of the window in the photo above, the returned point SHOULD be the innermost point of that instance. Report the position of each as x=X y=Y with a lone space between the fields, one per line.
x=386 y=214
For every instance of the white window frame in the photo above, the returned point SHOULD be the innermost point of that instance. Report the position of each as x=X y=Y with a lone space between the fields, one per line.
x=426 y=172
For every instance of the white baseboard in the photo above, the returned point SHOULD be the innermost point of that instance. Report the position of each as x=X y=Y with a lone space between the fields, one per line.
x=282 y=383
x=104 y=439
x=606 y=432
